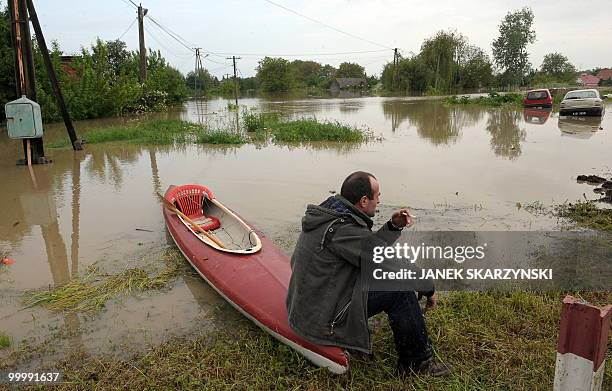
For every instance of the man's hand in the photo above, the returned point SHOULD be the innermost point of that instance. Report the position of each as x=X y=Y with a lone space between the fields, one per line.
x=432 y=302
x=402 y=219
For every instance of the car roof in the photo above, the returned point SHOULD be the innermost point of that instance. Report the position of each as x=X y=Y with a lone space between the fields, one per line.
x=539 y=89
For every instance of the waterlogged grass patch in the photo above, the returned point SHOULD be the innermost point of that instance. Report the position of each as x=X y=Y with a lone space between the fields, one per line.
x=5 y=341
x=207 y=136
x=313 y=130
x=586 y=214
x=493 y=99
x=495 y=341
x=158 y=132
x=90 y=291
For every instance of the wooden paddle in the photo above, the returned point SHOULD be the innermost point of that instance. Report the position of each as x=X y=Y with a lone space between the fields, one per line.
x=174 y=209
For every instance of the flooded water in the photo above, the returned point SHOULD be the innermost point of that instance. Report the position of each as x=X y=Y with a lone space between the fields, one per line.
x=457 y=168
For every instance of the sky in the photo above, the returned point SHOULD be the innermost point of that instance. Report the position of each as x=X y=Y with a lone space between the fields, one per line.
x=253 y=28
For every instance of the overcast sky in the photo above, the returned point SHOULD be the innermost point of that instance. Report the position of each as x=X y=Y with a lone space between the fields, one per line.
x=580 y=30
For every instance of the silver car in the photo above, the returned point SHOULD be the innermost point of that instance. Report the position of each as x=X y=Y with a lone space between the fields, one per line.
x=582 y=102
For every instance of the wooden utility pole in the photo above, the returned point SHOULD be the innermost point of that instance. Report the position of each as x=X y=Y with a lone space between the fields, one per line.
x=25 y=81
x=40 y=38
x=395 y=66
x=143 y=50
x=234 y=58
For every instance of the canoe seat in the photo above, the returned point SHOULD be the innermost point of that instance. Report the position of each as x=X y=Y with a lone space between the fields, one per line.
x=207 y=223
x=190 y=200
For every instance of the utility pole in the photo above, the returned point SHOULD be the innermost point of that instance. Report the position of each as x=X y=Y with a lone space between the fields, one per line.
x=234 y=58
x=24 y=70
x=40 y=38
x=143 y=50
x=395 y=70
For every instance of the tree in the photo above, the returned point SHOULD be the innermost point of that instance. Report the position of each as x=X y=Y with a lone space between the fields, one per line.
x=441 y=53
x=203 y=81
x=275 y=74
x=7 y=74
x=510 y=48
x=349 y=69
x=476 y=70
x=558 y=66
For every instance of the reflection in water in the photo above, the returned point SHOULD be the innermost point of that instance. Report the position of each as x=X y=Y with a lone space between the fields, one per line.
x=536 y=116
x=351 y=106
x=579 y=127
x=435 y=122
x=506 y=135
x=106 y=164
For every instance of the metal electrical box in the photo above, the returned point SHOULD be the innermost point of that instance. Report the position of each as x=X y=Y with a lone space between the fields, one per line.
x=23 y=119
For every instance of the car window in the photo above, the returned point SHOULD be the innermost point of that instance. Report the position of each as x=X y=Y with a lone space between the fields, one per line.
x=580 y=95
x=537 y=95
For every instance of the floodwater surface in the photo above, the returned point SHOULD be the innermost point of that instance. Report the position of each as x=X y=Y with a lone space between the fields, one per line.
x=456 y=167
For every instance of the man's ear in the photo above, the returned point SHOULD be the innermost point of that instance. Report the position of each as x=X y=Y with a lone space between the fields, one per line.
x=363 y=201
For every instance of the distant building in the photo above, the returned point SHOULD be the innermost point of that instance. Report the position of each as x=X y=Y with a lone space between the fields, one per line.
x=587 y=80
x=605 y=74
x=344 y=83
x=66 y=64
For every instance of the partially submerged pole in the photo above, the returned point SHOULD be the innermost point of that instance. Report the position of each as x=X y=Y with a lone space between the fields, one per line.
x=141 y=40
x=583 y=342
x=76 y=143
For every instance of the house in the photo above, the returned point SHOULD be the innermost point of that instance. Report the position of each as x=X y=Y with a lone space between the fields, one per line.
x=605 y=74
x=343 y=83
x=66 y=64
x=587 y=80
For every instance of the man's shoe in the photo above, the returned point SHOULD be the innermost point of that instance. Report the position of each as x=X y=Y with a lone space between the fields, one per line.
x=427 y=367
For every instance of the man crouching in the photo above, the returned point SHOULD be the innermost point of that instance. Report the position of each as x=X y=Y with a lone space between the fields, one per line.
x=326 y=301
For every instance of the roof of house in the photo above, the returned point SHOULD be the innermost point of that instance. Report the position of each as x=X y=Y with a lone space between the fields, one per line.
x=589 y=79
x=350 y=81
x=605 y=74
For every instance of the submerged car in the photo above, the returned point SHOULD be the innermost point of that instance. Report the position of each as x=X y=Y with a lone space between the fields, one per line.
x=538 y=98
x=582 y=102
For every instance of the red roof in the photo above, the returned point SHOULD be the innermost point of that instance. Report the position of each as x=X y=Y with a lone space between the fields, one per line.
x=589 y=80
x=605 y=74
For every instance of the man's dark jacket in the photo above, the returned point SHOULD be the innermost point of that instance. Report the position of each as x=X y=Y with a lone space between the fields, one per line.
x=326 y=301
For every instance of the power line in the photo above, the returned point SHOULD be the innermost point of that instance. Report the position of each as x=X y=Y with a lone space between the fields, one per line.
x=296 y=54
x=162 y=45
x=128 y=3
x=174 y=35
x=326 y=25
x=128 y=29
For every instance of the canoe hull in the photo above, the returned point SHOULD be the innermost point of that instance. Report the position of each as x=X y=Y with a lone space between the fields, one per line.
x=254 y=284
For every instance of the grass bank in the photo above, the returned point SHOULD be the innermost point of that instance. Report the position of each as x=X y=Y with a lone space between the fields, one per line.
x=159 y=132
x=493 y=99
x=495 y=341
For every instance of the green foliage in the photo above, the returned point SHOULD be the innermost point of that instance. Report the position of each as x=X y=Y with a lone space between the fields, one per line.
x=510 y=48
x=493 y=99
x=7 y=75
x=201 y=82
x=586 y=214
x=275 y=74
x=5 y=341
x=257 y=121
x=350 y=69
x=312 y=130
x=558 y=67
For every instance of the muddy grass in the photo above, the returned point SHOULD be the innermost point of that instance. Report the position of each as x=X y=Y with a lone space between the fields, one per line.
x=5 y=341
x=90 y=291
x=586 y=214
x=495 y=342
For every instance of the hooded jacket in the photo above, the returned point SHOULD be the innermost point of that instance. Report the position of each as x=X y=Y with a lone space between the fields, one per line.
x=326 y=300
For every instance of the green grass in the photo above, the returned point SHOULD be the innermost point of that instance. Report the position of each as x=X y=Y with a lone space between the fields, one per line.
x=495 y=341
x=5 y=341
x=258 y=121
x=313 y=130
x=586 y=214
x=157 y=132
x=493 y=99
x=90 y=291
x=220 y=137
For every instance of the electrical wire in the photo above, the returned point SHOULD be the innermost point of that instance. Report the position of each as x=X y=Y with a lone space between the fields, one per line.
x=174 y=35
x=128 y=29
x=295 y=54
x=326 y=25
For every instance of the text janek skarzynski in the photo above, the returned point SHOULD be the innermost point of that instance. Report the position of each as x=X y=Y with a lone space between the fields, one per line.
x=459 y=254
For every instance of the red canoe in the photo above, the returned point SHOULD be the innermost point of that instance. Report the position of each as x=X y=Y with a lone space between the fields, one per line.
x=247 y=270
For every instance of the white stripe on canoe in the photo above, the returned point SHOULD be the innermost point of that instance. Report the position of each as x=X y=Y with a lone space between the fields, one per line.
x=315 y=358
